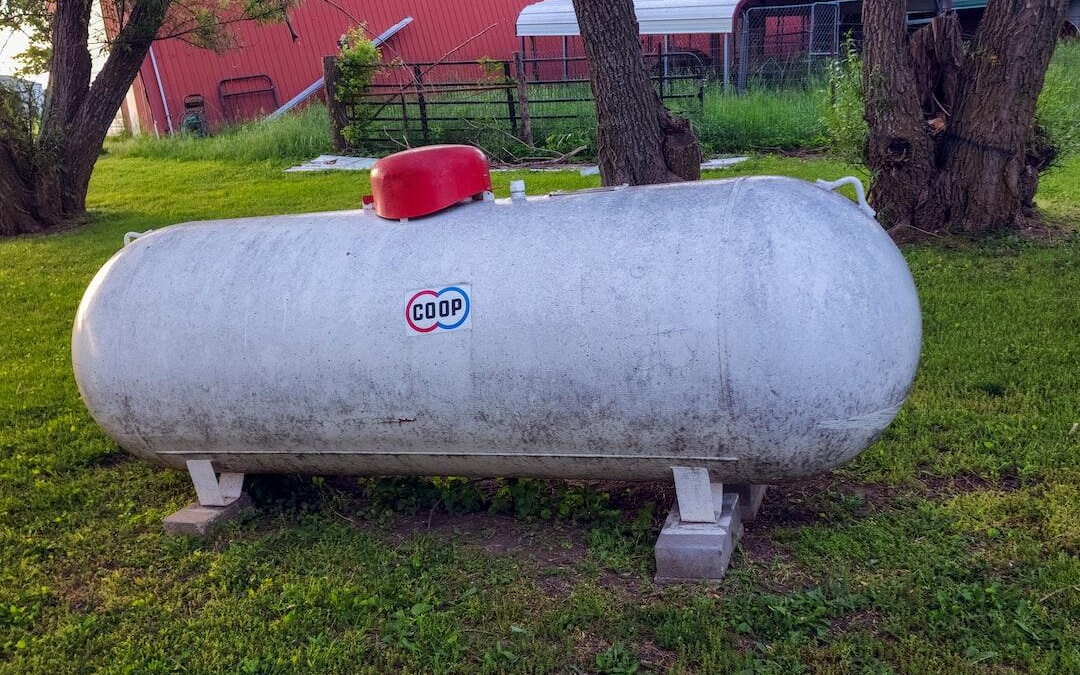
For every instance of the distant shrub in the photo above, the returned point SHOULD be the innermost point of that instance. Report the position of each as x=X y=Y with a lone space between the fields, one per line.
x=357 y=65
x=1059 y=104
x=842 y=114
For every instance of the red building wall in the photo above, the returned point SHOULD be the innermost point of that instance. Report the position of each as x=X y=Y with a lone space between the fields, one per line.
x=438 y=27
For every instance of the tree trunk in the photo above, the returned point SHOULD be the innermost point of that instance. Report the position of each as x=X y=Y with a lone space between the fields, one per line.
x=988 y=183
x=953 y=146
x=43 y=184
x=17 y=212
x=16 y=148
x=69 y=80
x=638 y=140
x=899 y=149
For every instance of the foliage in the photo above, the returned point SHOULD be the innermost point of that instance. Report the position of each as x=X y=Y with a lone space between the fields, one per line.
x=615 y=660
x=31 y=18
x=1059 y=104
x=18 y=116
x=204 y=23
x=843 y=113
x=949 y=547
x=491 y=71
x=358 y=63
x=760 y=119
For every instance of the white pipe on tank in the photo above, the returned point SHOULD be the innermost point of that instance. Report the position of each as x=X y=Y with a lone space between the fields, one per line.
x=161 y=89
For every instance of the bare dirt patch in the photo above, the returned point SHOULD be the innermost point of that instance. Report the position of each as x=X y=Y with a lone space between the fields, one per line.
x=943 y=488
x=866 y=619
x=759 y=547
x=545 y=543
x=654 y=657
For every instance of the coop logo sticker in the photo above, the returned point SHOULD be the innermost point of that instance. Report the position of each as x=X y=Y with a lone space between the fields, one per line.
x=437 y=310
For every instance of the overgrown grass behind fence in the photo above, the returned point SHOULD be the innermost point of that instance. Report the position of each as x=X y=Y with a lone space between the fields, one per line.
x=297 y=136
x=762 y=119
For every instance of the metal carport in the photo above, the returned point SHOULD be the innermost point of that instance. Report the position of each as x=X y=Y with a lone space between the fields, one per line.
x=556 y=18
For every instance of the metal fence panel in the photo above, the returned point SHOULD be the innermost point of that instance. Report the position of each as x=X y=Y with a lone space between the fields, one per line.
x=788 y=45
x=502 y=104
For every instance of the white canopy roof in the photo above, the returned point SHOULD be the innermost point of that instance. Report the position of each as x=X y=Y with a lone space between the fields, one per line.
x=655 y=17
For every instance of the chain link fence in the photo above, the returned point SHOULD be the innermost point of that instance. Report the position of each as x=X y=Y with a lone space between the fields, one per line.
x=789 y=45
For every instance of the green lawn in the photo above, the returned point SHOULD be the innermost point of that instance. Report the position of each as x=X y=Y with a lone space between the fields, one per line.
x=951 y=546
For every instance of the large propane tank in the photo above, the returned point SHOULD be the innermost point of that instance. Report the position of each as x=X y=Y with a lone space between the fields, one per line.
x=765 y=328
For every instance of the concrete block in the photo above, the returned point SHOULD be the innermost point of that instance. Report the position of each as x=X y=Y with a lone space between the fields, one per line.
x=698 y=551
x=750 y=498
x=195 y=520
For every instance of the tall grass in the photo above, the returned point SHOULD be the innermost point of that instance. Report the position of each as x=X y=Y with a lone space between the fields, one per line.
x=1059 y=104
x=296 y=136
x=761 y=119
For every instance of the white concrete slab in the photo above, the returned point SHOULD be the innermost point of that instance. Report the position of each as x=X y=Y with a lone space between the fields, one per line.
x=342 y=163
x=335 y=163
x=722 y=162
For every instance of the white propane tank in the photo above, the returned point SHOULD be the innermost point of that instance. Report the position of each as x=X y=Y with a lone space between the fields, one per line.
x=765 y=328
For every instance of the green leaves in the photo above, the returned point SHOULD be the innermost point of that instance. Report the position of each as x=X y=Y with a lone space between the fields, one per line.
x=359 y=61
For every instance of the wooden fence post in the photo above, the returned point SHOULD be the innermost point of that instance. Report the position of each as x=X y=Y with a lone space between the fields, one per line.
x=336 y=110
x=523 y=100
x=421 y=102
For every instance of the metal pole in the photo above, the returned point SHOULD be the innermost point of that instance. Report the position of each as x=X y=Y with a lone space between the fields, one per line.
x=727 y=66
x=161 y=89
x=744 y=52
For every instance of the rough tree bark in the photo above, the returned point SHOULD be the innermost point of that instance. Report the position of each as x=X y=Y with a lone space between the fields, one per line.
x=988 y=182
x=953 y=145
x=638 y=140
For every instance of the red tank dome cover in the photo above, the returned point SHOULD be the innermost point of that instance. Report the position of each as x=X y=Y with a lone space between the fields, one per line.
x=421 y=181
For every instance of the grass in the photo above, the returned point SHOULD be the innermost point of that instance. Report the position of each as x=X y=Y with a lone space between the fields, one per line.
x=762 y=119
x=1059 y=103
x=296 y=136
x=951 y=546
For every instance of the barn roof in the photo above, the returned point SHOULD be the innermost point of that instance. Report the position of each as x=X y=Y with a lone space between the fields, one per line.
x=655 y=17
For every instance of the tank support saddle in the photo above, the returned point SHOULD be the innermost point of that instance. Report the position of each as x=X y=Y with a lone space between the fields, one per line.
x=706 y=520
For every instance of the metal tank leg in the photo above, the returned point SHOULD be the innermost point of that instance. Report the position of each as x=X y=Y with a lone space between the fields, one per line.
x=212 y=490
x=750 y=497
x=219 y=499
x=700 y=533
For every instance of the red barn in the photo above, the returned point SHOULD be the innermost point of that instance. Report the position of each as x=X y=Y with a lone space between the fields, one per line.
x=267 y=67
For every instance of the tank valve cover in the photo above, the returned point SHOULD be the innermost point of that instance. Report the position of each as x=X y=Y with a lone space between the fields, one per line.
x=421 y=181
